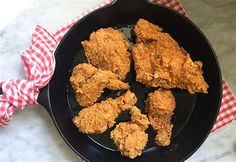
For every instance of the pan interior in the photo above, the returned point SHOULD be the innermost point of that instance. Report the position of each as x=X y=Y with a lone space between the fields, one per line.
x=185 y=102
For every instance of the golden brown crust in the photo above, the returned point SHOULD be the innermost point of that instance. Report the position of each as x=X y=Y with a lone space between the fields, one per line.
x=130 y=137
x=101 y=116
x=107 y=49
x=160 y=106
x=146 y=31
x=160 y=62
x=88 y=83
x=138 y=118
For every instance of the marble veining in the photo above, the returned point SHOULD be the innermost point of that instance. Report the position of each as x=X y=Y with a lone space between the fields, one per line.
x=32 y=135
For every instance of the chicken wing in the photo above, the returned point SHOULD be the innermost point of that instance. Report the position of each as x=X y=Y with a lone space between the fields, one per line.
x=88 y=83
x=160 y=62
x=101 y=116
x=107 y=49
x=130 y=137
x=138 y=118
x=160 y=106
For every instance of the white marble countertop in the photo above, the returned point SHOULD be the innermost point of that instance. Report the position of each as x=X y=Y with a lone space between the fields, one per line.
x=32 y=135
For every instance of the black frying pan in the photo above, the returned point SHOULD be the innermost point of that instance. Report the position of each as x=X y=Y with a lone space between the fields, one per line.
x=194 y=114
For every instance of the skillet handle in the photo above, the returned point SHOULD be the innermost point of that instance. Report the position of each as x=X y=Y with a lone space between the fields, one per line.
x=43 y=99
x=130 y=3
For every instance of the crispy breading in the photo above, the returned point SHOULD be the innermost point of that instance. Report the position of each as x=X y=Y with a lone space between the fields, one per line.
x=160 y=62
x=130 y=137
x=160 y=106
x=138 y=118
x=101 y=116
x=107 y=49
x=88 y=83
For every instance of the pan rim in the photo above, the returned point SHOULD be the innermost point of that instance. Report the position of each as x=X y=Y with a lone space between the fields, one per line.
x=186 y=19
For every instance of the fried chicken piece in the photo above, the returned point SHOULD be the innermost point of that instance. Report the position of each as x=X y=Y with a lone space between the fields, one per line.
x=107 y=49
x=88 y=83
x=101 y=116
x=160 y=62
x=160 y=106
x=138 y=118
x=130 y=137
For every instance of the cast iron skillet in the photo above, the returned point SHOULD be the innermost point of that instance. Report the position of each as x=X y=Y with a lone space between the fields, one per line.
x=194 y=114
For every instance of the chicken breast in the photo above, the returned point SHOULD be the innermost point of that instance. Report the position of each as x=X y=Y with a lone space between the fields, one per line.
x=160 y=106
x=160 y=62
x=89 y=82
x=107 y=49
x=101 y=116
x=130 y=137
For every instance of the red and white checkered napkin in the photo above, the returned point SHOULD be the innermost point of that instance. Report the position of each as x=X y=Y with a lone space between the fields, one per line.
x=39 y=63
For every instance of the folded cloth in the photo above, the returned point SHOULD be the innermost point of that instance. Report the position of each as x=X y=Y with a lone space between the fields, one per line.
x=39 y=64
